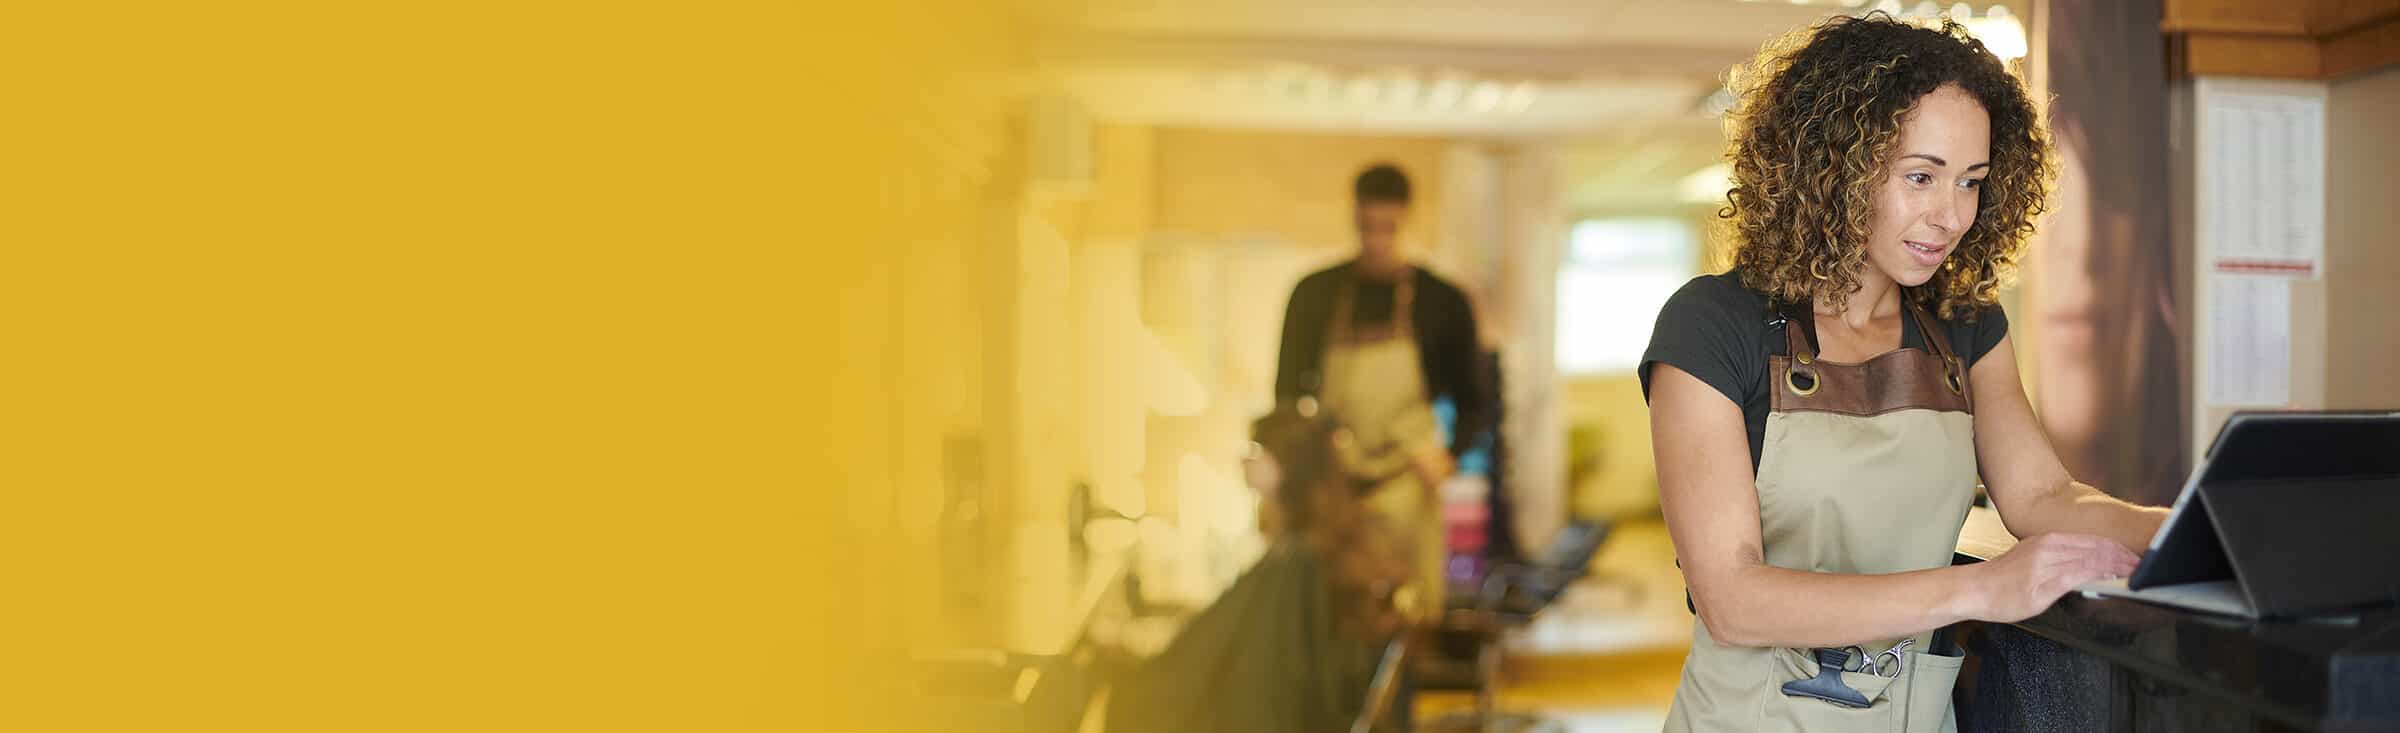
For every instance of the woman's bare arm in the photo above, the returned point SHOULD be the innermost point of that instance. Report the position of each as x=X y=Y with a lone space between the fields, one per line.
x=2024 y=476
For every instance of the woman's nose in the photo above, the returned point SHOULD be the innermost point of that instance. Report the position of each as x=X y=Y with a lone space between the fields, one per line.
x=1945 y=215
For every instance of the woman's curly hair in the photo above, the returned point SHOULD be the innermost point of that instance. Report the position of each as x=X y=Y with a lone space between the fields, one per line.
x=1815 y=128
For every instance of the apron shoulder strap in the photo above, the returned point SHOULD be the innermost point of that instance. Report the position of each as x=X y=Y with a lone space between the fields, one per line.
x=1344 y=296
x=1937 y=338
x=1799 y=331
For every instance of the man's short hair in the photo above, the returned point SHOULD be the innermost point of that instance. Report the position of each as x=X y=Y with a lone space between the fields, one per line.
x=1381 y=183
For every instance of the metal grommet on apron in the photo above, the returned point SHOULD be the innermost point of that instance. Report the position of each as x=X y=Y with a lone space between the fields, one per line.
x=1867 y=469
x=1375 y=385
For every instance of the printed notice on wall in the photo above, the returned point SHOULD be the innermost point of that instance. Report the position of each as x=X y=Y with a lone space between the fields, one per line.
x=2249 y=341
x=2263 y=190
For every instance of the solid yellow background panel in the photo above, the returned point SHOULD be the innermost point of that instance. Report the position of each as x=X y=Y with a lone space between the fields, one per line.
x=455 y=366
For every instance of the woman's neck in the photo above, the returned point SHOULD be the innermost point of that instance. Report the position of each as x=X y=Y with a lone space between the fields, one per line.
x=1877 y=298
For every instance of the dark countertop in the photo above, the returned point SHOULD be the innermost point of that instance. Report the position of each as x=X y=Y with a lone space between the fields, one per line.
x=2332 y=672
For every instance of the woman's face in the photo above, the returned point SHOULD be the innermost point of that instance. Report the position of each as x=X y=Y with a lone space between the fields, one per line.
x=1927 y=198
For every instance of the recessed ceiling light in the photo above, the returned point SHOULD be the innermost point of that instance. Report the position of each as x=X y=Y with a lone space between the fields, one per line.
x=1485 y=98
x=1446 y=93
x=1402 y=89
x=1519 y=99
x=1363 y=90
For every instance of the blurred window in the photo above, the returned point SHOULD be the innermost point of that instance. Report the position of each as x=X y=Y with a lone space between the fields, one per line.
x=1616 y=274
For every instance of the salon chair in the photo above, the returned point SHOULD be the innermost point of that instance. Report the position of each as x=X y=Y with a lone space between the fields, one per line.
x=1509 y=597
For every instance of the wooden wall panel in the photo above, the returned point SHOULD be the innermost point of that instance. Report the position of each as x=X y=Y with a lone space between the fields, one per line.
x=2312 y=39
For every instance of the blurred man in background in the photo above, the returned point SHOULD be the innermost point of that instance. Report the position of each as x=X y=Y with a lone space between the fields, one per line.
x=1374 y=341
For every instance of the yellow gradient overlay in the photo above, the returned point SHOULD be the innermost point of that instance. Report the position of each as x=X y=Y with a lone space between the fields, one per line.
x=469 y=366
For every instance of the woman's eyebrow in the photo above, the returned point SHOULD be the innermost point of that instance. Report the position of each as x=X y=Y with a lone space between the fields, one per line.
x=1937 y=160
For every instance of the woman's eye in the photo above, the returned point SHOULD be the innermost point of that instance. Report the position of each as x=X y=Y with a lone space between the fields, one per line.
x=1972 y=183
x=1919 y=178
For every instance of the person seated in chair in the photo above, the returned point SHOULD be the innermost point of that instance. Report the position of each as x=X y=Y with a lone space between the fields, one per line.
x=1294 y=643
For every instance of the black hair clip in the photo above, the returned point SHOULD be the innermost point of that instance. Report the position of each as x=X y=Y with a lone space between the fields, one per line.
x=1828 y=685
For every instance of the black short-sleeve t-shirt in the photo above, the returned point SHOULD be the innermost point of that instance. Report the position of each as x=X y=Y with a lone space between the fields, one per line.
x=1721 y=332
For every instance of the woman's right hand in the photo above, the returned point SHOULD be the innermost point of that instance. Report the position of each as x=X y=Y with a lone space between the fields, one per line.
x=2031 y=576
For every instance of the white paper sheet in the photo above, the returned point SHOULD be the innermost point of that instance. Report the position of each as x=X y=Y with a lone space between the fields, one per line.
x=2263 y=193
x=2249 y=340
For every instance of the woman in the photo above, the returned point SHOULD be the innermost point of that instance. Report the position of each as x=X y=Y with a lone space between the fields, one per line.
x=1886 y=177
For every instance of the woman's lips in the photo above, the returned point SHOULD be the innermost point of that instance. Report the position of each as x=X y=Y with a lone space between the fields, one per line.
x=1928 y=255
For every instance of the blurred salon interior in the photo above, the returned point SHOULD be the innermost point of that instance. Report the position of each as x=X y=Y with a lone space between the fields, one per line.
x=1102 y=350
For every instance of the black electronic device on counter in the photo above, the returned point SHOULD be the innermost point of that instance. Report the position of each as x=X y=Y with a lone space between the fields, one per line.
x=2288 y=514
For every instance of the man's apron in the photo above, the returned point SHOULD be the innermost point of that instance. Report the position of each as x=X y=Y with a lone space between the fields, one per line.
x=1375 y=386
x=1866 y=469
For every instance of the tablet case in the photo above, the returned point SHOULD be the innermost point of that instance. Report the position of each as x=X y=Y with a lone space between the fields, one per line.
x=2300 y=510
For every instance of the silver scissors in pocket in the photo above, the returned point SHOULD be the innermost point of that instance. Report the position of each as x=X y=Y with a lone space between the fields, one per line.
x=1885 y=663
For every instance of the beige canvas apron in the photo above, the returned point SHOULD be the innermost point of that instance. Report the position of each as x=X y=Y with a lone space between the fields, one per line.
x=1375 y=386
x=1866 y=469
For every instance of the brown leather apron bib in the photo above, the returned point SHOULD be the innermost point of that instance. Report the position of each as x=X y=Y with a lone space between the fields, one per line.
x=1866 y=469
